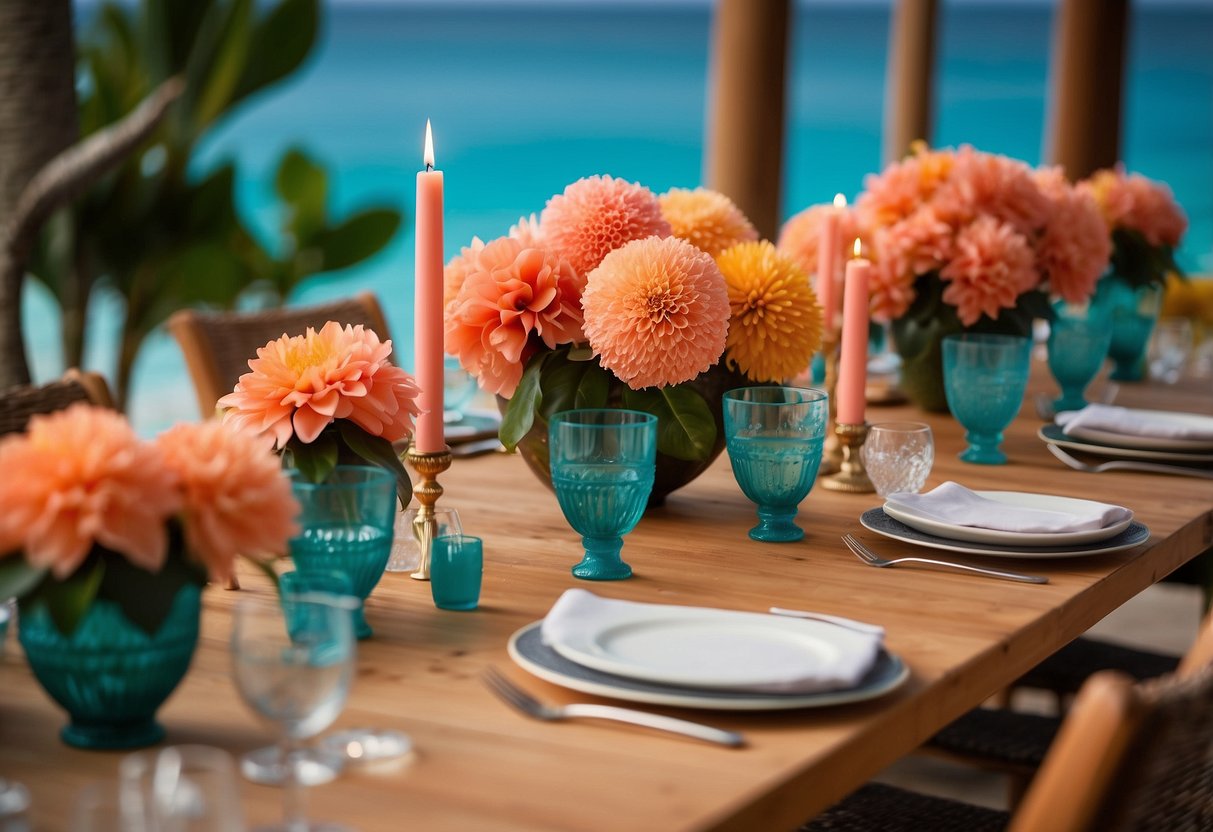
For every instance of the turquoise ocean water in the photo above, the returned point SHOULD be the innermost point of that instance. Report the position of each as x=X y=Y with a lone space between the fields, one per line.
x=526 y=98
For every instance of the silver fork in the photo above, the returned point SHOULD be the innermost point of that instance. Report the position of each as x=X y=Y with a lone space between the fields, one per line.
x=513 y=695
x=1128 y=465
x=872 y=559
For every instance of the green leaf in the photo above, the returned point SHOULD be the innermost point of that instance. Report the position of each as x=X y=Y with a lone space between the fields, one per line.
x=377 y=451
x=216 y=89
x=356 y=239
x=685 y=427
x=281 y=41
x=68 y=601
x=147 y=597
x=314 y=460
x=581 y=352
x=18 y=578
x=594 y=388
x=520 y=413
x=303 y=186
x=559 y=382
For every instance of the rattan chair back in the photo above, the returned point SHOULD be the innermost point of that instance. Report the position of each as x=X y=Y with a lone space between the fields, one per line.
x=18 y=404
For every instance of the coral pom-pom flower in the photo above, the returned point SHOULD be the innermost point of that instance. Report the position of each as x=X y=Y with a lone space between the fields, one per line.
x=298 y=385
x=775 y=321
x=706 y=219
x=656 y=312
x=596 y=215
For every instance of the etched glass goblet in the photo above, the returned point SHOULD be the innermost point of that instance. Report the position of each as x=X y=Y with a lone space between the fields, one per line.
x=984 y=378
x=603 y=462
x=1078 y=344
x=898 y=456
x=774 y=437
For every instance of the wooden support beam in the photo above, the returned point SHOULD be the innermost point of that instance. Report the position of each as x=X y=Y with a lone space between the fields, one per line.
x=1087 y=77
x=746 y=109
x=909 y=106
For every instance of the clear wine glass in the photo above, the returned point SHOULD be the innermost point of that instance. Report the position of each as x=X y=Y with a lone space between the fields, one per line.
x=293 y=664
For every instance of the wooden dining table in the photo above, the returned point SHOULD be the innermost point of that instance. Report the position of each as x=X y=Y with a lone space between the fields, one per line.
x=477 y=764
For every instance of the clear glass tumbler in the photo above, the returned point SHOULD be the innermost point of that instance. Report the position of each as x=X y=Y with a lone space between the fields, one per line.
x=898 y=456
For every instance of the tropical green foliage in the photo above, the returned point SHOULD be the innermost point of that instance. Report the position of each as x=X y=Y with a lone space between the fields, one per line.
x=1138 y=262
x=154 y=231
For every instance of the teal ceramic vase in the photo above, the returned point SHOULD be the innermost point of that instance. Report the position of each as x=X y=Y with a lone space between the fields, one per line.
x=110 y=675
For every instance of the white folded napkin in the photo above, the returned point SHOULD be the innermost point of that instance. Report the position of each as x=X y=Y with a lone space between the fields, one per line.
x=1130 y=422
x=578 y=615
x=955 y=504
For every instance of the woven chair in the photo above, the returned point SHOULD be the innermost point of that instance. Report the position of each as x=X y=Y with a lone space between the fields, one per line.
x=1129 y=756
x=18 y=404
x=218 y=345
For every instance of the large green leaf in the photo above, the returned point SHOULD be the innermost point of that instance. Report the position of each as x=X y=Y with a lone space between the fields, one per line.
x=594 y=388
x=377 y=451
x=18 y=578
x=282 y=40
x=685 y=426
x=67 y=601
x=147 y=597
x=303 y=186
x=520 y=412
x=314 y=460
x=559 y=382
x=357 y=238
x=217 y=61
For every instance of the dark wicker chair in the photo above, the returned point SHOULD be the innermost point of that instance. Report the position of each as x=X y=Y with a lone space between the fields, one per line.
x=1129 y=756
x=218 y=345
x=18 y=404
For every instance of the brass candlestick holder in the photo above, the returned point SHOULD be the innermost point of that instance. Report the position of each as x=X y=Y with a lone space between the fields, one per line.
x=831 y=452
x=428 y=466
x=852 y=477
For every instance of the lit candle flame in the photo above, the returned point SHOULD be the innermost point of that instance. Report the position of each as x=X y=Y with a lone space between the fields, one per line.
x=858 y=248
x=840 y=201
x=429 y=146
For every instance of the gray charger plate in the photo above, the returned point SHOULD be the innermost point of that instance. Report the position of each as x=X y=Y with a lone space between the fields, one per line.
x=528 y=651
x=1057 y=436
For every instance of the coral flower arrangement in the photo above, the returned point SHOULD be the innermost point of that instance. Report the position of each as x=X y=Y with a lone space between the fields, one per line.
x=616 y=296
x=326 y=397
x=1145 y=222
x=91 y=511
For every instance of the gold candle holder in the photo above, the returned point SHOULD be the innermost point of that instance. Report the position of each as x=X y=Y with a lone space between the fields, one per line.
x=852 y=477
x=428 y=466
x=831 y=452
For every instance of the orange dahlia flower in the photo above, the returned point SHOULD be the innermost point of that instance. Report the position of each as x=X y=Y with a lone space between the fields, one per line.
x=992 y=267
x=299 y=385
x=237 y=501
x=595 y=216
x=801 y=234
x=656 y=312
x=708 y=220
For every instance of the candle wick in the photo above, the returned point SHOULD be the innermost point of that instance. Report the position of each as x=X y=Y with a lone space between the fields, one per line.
x=429 y=166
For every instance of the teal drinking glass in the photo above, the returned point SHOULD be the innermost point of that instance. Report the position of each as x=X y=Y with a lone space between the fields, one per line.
x=456 y=566
x=774 y=436
x=1078 y=344
x=1132 y=312
x=603 y=462
x=984 y=378
x=347 y=525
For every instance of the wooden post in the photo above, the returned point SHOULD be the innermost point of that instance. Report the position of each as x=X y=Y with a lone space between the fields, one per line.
x=746 y=110
x=1083 y=132
x=909 y=85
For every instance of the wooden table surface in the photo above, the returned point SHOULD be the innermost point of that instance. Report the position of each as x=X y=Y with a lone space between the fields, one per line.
x=479 y=765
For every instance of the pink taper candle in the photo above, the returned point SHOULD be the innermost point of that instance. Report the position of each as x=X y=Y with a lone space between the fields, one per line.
x=827 y=263
x=853 y=360
x=427 y=308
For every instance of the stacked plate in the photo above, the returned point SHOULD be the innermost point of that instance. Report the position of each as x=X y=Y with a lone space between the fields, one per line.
x=694 y=657
x=1190 y=442
x=902 y=523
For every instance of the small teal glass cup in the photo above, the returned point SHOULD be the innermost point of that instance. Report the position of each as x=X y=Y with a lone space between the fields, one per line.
x=984 y=378
x=603 y=462
x=456 y=566
x=347 y=523
x=774 y=436
x=1079 y=338
x=326 y=582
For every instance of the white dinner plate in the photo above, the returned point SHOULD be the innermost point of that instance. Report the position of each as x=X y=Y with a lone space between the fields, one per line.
x=1023 y=499
x=877 y=521
x=712 y=649
x=1056 y=436
x=1153 y=443
x=528 y=651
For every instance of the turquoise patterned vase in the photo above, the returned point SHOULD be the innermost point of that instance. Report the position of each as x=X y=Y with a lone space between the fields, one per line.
x=109 y=675
x=1133 y=311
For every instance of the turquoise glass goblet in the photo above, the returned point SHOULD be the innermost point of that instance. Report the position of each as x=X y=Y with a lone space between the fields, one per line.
x=1132 y=312
x=774 y=436
x=347 y=527
x=984 y=378
x=1078 y=344
x=603 y=462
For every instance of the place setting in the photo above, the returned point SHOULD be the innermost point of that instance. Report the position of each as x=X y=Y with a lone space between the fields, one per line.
x=706 y=658
x=1162 y=441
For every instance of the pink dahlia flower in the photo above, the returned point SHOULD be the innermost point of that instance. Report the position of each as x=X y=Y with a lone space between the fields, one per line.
x=992 y=267
x=986 y=183
x=596 y=215
x=902 y=186
x=526 y=231
x=299 y=385
x=510 y=295
x=1073 y=251
x=891 y=283
x=81 y=477
x=656 y=312
x=1135 y=202
x=801 y=235
x=918 y=244
x=456 y=271
x=237 y=500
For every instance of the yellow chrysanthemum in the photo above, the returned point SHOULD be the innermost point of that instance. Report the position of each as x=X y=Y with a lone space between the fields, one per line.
x=775 y=319
x=706 y=219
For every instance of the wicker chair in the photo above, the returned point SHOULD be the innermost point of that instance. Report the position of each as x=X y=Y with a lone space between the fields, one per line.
x=1129 y=756
x=218 y=345
x=18 y=404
